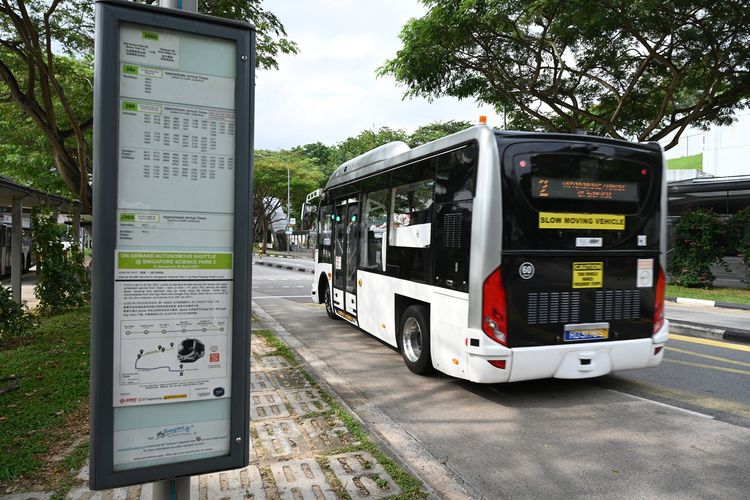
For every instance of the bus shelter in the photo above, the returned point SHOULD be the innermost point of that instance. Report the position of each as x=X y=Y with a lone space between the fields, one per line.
x=18 y=198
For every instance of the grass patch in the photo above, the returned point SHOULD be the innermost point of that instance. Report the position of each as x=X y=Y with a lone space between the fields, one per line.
x=411 y=486
x=51 y=371
x=692 y=162
x=736 y=295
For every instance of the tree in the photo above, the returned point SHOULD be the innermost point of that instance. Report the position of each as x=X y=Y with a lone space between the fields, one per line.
x=319 y=153
x=270 y=186
x=362 y=143
x=630 y=70
x=436 y=130
x=701 y=240
x=45 y=43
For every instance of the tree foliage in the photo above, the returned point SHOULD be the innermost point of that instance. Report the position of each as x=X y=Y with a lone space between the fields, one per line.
x=701 y=240
x=46 y=58
x=328 y=158
x=436 y=130
x=270 y=186
x=631 y=69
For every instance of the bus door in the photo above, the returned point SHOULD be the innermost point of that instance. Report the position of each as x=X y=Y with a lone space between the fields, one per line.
x=346 y=256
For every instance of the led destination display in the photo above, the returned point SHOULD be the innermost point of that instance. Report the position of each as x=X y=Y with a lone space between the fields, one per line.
x=583 y=189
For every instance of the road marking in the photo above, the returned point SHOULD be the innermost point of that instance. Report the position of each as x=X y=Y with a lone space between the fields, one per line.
x=281 y=297
x=715 y=343
x=708 y=356
x=710 y=367
x=699 y=400
x=673 y=407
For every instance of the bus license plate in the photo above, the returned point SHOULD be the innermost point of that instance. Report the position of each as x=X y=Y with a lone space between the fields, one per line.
x=586 y=331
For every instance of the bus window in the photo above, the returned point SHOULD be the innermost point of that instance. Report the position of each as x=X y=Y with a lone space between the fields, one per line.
x=324 y=232
x=411 y=216
x=374 y=221
x=455 y=175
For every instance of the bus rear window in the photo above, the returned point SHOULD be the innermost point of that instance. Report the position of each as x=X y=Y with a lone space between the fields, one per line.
x=563 y=180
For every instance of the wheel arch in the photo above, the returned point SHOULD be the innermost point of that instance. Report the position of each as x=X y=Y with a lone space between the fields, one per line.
x=401 y=303
x=322 y=284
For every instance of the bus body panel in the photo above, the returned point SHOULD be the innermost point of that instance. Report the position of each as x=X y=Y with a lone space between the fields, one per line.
x=574 y=361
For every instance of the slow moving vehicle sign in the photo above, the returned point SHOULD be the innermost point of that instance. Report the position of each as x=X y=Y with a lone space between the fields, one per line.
x=171 y=282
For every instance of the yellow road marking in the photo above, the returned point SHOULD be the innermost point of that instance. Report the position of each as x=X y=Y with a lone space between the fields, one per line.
x=711 y=367
x=715 y=343
x=698 y=400
x=708 y=356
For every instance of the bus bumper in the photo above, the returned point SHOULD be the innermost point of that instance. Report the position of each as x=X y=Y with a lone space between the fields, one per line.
x=575 y=361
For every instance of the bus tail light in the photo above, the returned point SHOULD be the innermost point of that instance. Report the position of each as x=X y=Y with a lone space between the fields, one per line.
x=497 y=363
x=661 y=283
x=494 y=308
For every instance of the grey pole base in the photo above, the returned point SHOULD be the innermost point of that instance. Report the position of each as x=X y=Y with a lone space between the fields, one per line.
x=172 y=489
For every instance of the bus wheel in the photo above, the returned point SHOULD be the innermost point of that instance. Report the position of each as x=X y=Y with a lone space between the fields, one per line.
x=329 y=305
x=414 y=340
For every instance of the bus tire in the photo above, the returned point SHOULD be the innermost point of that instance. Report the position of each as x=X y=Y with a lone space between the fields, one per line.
x=414 y=340
x=328 y=303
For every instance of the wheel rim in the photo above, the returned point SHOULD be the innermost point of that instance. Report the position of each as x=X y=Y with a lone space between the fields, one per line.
x=412 y=340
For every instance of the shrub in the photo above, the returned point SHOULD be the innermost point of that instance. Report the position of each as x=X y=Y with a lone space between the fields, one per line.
x=14 y=321
x=701 y=239
x=739 y=225
x=62 y=278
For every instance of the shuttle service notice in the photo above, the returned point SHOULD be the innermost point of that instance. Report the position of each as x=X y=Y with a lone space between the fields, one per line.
x=173 y=256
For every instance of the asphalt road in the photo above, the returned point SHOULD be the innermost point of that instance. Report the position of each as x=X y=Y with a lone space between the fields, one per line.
x=681 y=430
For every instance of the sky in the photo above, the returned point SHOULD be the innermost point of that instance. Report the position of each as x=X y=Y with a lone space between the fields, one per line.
x=329 y=91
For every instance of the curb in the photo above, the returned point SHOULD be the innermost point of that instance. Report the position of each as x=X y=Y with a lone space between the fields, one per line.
x=284 y=266
x=706 y=332
x=709 y=303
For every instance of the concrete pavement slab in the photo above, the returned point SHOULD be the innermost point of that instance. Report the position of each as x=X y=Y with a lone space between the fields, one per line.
x=363 y=476
x=267 y=404
x=305 y=401
x=280 y=438
x=288 y=379
x=327 y=433
x=301 y=480
x=260 y=381
x=269 y=363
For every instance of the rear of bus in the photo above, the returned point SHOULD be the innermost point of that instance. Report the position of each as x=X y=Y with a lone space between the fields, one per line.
x=580 y=289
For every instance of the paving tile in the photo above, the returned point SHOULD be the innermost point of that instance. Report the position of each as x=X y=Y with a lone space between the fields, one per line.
x=131 y=493
x=260 y=381
x=255 y=366
x=32 y=495
x=260 y=347
x=327 y=433
x=234 y=484
x=305 y=401
x=269 y=363
x=363 y=476
x=267 y=405
x=301 y=480
x=288 y=379
x=281 y=438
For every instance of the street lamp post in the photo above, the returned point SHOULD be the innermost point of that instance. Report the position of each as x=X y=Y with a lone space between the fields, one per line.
x=288 y=211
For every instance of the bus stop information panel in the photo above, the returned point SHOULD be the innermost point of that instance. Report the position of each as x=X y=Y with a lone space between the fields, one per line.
x=172 y=191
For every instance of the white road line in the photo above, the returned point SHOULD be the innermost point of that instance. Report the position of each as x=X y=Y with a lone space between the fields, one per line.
x=683 y=410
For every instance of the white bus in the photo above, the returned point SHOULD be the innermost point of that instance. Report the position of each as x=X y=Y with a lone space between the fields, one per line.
x=500 y=256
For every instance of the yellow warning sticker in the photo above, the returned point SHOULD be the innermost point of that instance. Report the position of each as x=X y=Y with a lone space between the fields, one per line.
x=555 y=220
x=588 y=274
